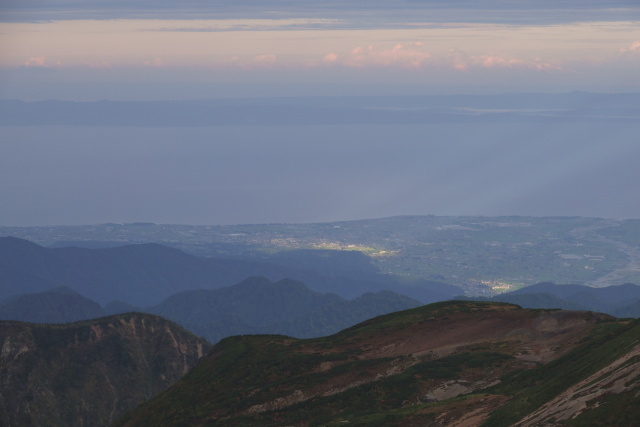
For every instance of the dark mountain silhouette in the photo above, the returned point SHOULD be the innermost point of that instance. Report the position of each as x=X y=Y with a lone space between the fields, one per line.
x=605 y=299
x=614 y=300
x=255 y=305
x=533 y=300
x=136 y=274
x=258 y=305
x=449 y=363
x=57 y=305
x=89 y=373
x=145 y=274
x=331 y=263
x=90 y=244
x=631 y=309
x=351 y=273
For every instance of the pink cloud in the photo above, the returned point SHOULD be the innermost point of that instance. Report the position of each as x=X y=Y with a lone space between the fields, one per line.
x=40 y=62
x=461 y=61
x=399 y=56
x=458 y=59
x=155 y=63
x=265 y=59
x=490 y=61
x=413 y=56
x=258 y=61
x=633 y=50
x=331 y=58
x=628 y=55
x=35 y=61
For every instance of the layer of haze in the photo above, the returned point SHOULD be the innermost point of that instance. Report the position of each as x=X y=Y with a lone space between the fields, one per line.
x=231 y=175
x=196 y=49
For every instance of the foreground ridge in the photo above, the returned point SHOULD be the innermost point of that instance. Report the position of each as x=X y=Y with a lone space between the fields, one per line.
x=449 y=363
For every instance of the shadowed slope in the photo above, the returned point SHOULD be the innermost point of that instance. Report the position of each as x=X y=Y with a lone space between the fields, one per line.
x=89 y=373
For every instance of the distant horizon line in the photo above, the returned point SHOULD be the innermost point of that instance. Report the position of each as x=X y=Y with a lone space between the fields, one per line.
x=399 y=95
x=148 y=223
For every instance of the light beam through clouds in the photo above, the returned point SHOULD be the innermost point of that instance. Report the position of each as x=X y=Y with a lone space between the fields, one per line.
x=231 y=175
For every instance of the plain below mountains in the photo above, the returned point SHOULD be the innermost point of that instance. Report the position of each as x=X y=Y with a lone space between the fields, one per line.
x=445 y=364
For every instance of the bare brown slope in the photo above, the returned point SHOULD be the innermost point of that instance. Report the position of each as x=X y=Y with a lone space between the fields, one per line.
x=395 y=362
x=89 y=373
x=533 y=335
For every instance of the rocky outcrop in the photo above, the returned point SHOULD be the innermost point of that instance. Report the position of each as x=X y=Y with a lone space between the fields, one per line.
x=88 y=373
x=620 y=376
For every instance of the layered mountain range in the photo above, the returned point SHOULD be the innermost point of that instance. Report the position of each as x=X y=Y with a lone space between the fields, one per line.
x=450 y=363
x=198 y=299
x=212 y=297
x=145 y=274
x=255 y=305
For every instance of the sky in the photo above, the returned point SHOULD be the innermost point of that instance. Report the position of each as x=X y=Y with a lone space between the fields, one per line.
x=81 y=50
x=85 y=51
x=302 y=174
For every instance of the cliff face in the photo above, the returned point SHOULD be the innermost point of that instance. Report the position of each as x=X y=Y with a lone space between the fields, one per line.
x=88 y=373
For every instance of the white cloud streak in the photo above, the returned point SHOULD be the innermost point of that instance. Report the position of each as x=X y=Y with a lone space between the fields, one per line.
x=593 y=49
x=412 y=57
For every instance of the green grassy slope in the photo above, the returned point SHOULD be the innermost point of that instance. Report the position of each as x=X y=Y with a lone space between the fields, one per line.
x=434 y=364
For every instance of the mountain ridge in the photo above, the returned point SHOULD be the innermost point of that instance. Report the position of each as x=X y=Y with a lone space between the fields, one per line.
x=258 y=305
x=442 y=364
x=255 y=305
x=89 y=372
x=145 y=274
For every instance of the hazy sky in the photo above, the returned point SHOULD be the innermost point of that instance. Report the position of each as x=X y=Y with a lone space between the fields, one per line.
x=267 y=174
x=85 y=50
